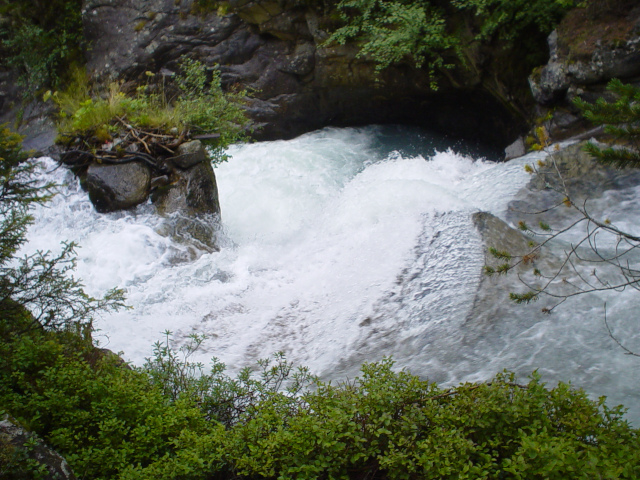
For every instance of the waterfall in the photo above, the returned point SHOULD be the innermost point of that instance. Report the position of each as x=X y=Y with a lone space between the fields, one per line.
x=339 y=247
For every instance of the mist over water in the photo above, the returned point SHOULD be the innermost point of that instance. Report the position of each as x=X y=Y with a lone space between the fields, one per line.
x=339 y=247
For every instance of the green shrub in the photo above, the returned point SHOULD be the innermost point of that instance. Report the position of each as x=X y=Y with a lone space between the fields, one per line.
x=393 y=31
x=507 y=20
x=223 y=398
x=100 y=415
x=420 y=32
x=112 y=422
x=41 y=40
x=392 y=425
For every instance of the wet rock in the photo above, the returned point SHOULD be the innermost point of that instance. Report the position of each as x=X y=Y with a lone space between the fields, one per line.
x=190 y=201
x=188 y=155
x=515 y=150
x=117 y=187
x=193 y=191
x=14 y=437
x=161 y=181
x=492 y=300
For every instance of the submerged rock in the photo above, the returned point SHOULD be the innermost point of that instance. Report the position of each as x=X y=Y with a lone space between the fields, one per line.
x=117 y=187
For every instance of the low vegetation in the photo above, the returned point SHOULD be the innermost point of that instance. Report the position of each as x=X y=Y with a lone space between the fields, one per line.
x=152 y=121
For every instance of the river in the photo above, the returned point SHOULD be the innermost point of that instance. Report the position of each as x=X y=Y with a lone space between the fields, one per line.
x=338 y=247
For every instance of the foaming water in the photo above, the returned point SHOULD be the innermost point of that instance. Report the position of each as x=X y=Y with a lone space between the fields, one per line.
x=338 y=247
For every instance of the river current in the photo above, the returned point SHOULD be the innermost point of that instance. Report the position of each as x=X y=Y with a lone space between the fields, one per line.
x=339 y=247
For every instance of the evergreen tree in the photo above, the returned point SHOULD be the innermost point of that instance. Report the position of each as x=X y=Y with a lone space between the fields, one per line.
x=40 y=283
x=621 y=119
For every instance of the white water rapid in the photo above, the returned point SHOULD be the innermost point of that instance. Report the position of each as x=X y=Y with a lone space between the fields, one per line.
x=339 y=247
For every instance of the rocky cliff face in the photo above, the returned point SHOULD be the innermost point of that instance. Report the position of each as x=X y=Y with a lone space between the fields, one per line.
x=588 y=49
x=275 y=49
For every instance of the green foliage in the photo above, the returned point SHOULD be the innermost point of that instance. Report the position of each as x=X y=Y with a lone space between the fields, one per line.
x=205 y=6
x=526 y=297
x=392 y=425
x=204 y=108
x=621 y=119
x=507 y=20
x=420 y=31
x=100 y=415
x=113 y=422
x=501 y=254
x=394 y=31
x=223 y=398
x=41 y=40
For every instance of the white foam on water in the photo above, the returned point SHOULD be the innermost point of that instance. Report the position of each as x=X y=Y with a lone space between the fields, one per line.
x=336 y=252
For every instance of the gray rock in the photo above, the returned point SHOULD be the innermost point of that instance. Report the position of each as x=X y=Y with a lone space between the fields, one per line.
x=13 y=437
x=117 y=187
x=188 y=155
x=190 y=203
x=582 y=68
x=192 y=192
x=515 y=150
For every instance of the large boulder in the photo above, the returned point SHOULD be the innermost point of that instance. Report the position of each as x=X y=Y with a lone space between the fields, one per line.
x=117 y=187
x=20 y=451
x=190 y=202
x=193 y=190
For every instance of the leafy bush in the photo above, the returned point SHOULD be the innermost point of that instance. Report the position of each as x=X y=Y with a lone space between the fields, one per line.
x=393 y=425
x=395 y=30
x=222 y=398
x=41 y=40
x=100 y=415
x=507 y=20
x=421 y=32
x=113 y=422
